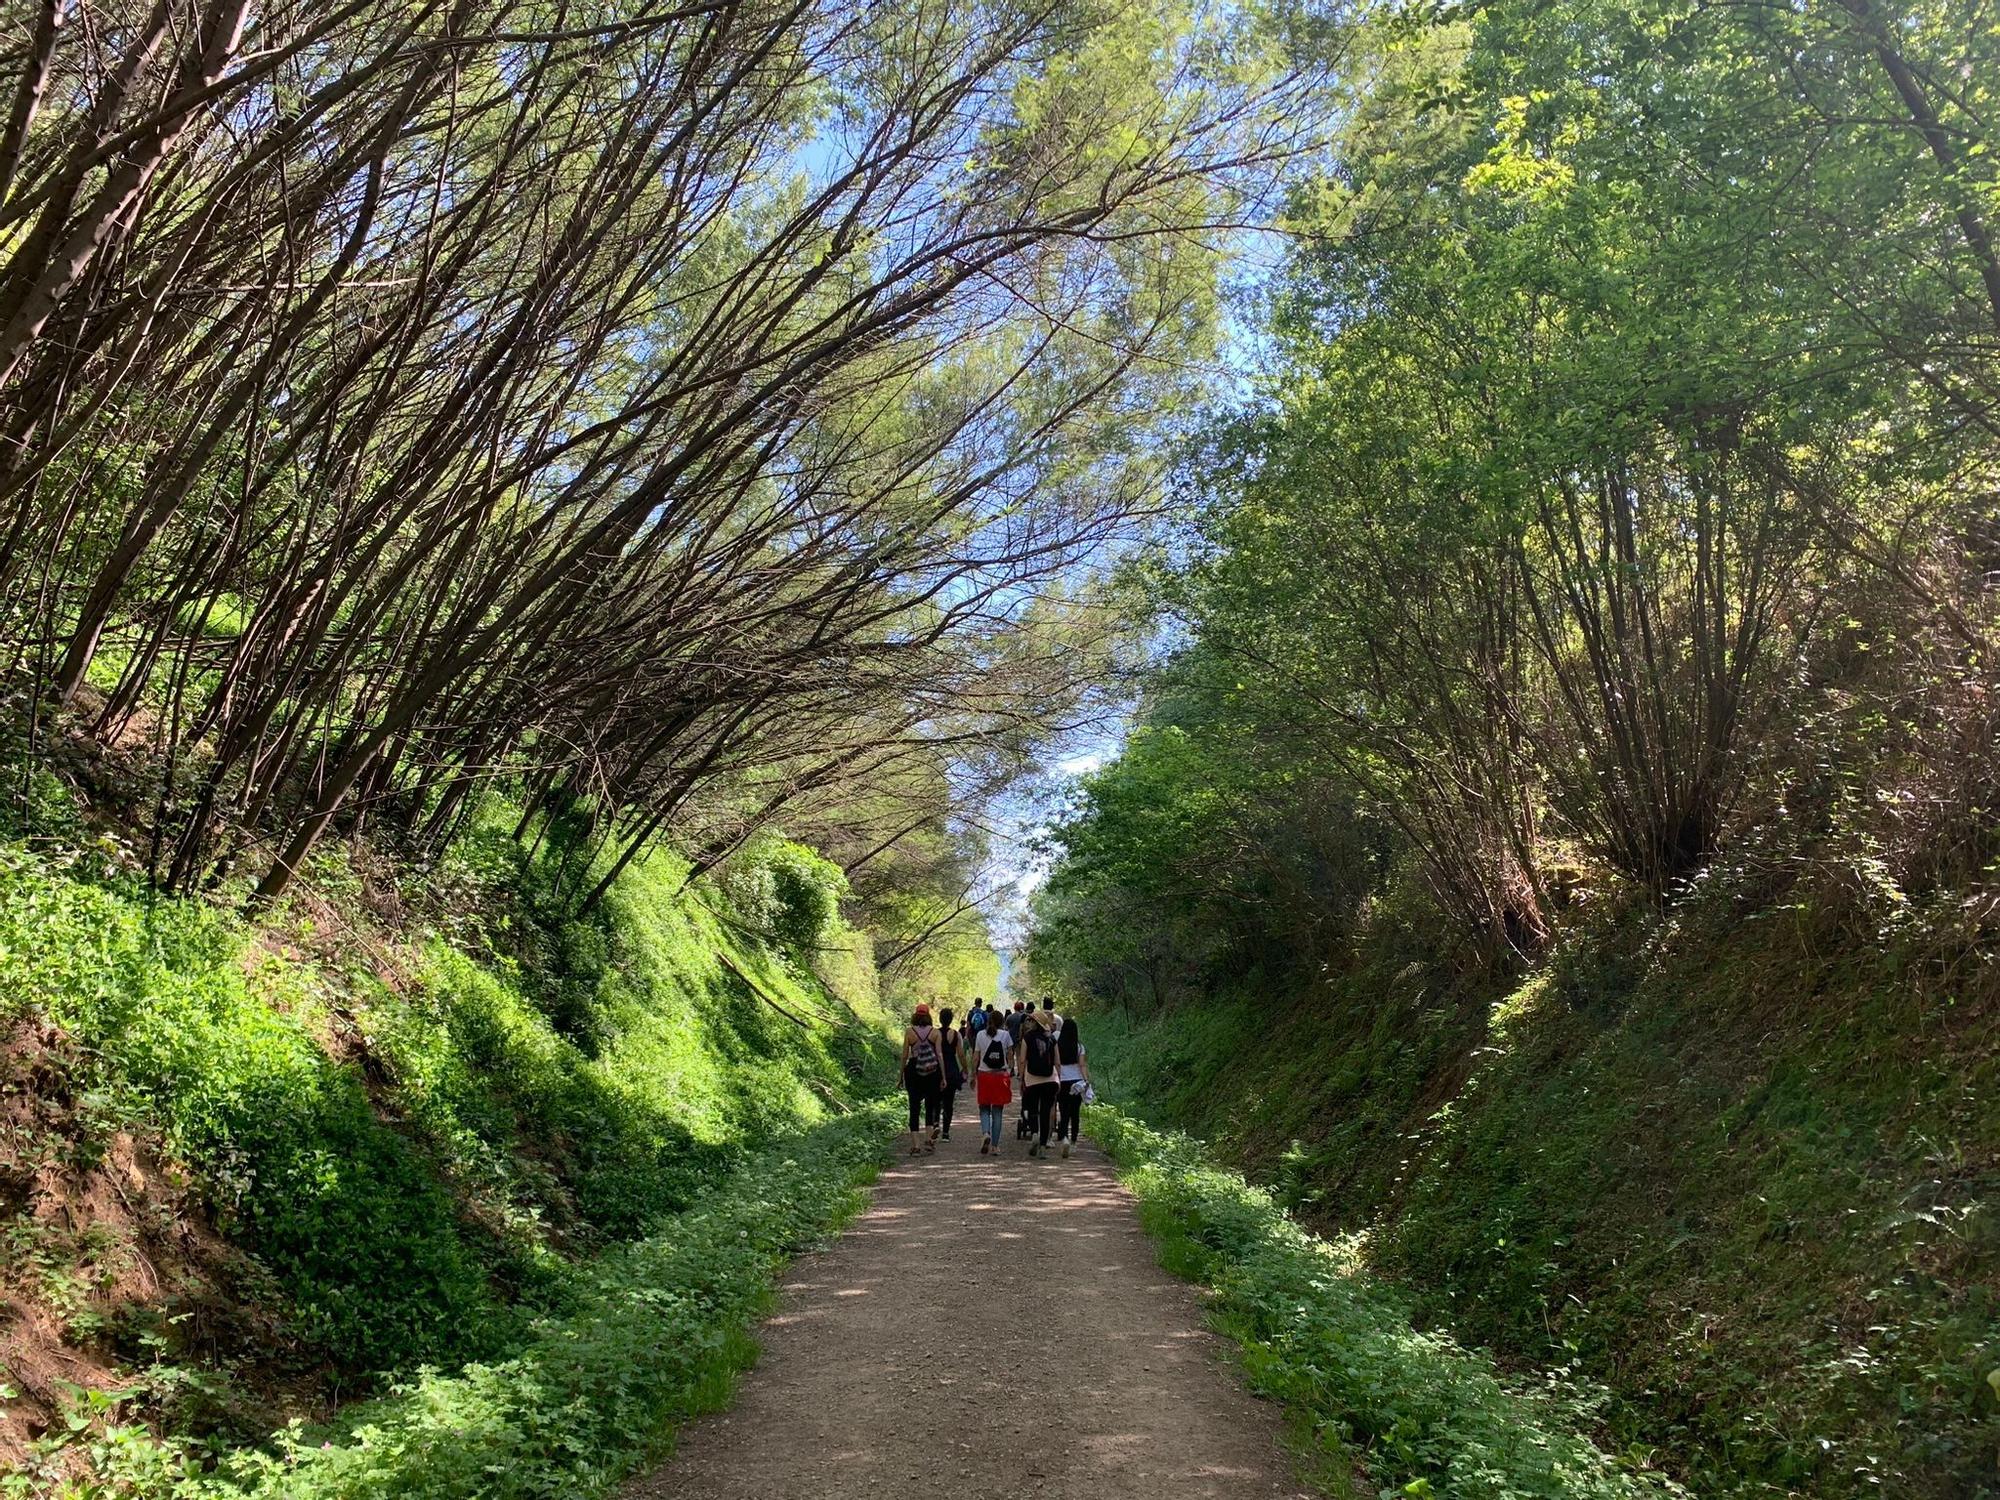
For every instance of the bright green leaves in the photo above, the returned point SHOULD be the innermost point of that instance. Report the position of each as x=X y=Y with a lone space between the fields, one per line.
x=1519 y=165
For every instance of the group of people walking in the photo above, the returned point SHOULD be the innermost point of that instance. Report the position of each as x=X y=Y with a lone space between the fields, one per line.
x=996 y=1048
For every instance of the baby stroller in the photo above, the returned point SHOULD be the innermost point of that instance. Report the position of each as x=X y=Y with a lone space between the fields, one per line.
x=1024 y=1128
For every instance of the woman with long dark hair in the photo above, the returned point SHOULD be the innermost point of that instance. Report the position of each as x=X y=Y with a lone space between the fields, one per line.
x=954 y=1070
x=1038 y=1082
x=1073 y=1083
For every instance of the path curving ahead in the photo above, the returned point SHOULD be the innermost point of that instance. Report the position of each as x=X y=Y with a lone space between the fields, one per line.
x=1089 y=1368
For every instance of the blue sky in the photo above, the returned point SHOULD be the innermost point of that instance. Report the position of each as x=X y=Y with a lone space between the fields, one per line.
x=1015 y=869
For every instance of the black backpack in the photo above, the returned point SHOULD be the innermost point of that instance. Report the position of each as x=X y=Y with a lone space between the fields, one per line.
x=1041 y=1052
x=996 y=1054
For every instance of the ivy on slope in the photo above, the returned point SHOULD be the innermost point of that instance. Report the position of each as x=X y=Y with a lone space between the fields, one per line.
x=657 y=1334
x=1431 y=1417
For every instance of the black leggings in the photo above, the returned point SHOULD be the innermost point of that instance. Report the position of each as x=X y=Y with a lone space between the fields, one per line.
x=945 y=1101
x=1069 y=1113
x=924 y=1090
x=1039 y=1100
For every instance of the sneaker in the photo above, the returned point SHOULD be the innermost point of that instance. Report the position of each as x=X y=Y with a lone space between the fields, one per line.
x=1034 y=1148
x=1065 y=1150
x=985 y=1146
x=946 y=1136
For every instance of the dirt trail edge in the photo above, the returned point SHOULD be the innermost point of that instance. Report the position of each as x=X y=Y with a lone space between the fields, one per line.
x=1076 y=1368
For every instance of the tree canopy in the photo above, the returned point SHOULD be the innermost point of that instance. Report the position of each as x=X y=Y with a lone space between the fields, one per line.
x=1618 y=496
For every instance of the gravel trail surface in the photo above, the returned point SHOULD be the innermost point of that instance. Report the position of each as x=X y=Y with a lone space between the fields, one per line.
x=989 y=1327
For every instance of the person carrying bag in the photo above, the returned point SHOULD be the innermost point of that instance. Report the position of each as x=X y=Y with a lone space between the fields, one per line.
x=1073 y=1074
x=923 y=1079
x=954 y=1071
x=993 y=1079
x=1038 y=1082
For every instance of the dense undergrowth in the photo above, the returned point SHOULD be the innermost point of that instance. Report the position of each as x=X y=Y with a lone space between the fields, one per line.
x=1337 y=1347
x=1741 y=1173
x=380 y=1134
x=655 y=1332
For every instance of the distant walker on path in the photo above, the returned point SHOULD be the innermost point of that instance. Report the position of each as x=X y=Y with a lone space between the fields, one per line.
x=1073 y=1078
x=1038 y=1081
x=954 y=1070
x=923 y=1078
x=993 y=1078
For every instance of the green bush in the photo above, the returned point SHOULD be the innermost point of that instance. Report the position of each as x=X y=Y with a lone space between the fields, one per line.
x=657 y=1332
x=174 y=1002
x=36 y=804
x=808 y=890
x=787 y=890
x=1337 y=1346
x=404 y=1208
x=1767 y=1219
x=519 y=1111
x=703 y=1044
x=1733 y=1169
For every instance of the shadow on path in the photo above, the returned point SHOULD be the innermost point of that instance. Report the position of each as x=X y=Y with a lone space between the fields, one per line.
x=988 y=1327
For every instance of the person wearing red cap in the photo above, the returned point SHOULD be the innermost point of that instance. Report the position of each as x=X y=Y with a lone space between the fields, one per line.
x=923 y=1079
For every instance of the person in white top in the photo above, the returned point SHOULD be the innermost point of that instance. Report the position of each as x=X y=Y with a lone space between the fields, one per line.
x=1073 y=1080
x=992 y=1079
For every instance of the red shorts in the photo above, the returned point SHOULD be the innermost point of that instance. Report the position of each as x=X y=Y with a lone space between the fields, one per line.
x=995 y=1088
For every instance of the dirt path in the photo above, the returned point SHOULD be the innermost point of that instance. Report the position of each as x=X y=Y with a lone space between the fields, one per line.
x=873 y=1370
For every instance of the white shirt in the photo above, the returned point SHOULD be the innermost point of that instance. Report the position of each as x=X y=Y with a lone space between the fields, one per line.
x=1071 y=1072
x=987 y=1037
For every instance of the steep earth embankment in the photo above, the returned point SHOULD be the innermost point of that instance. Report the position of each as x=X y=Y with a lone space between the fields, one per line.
x=253 y=1171
x=1746 y=1175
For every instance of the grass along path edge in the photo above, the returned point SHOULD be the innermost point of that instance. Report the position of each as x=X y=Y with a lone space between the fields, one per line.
x=1426 y=1415
x=658 y=1333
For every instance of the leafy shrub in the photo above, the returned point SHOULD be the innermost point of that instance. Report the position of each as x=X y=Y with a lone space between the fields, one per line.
x=497 y=1091
x=37 y=804
x=565 y=955
x=1337 y=1346
x=808 y=890
x=218 y=1040
x=695 y=1052
x=657 y=1331
x=787 y=890
x=342 y=1209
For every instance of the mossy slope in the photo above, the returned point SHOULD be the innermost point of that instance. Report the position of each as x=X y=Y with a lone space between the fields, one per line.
x=420 y=1152
x=1747 y=1177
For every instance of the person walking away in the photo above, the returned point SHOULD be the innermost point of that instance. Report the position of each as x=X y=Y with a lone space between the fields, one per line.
x=1038 y=1081
x=975 y=1019
x=1072 y=1079
x=1050 y=1019
x=923 y=1078
x=953 y=1042
x=992 y=1080
x=1025 y=1014
x=1024 y=1122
